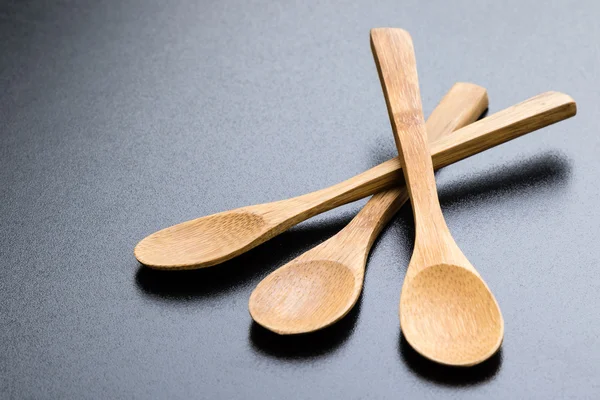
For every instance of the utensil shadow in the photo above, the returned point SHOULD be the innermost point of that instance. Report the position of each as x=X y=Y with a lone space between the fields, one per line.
x=240 y=273
x=540 y=171
x=517 y=180
x=304 y=346
x=446 y=375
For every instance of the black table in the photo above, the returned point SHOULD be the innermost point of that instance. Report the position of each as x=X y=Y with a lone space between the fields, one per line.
x=118 y=118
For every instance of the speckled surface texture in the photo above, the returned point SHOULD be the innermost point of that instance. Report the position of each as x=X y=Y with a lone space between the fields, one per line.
x=118 y=118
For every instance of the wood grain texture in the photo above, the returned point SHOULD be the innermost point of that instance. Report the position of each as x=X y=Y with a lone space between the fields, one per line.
x=211 y=240
x=447 y=312
x=321 y=286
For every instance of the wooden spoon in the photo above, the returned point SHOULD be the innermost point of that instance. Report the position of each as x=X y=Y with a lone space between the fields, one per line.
x=216 y=238
x=447 y=312
x=322 y=285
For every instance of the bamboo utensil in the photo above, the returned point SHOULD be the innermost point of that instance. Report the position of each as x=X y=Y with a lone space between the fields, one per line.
x=447 y=312
x=322 y=285
x=216 y=238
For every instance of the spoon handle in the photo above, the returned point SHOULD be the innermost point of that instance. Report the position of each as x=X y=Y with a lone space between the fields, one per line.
x=462 y=105
x=395 y=58
x=532 y=114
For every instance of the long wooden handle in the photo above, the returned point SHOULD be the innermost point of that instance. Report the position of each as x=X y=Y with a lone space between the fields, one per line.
x=395 y=58
x=532 y=114
x=462 y=105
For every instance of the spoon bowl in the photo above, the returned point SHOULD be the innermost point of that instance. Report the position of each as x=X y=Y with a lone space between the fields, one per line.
x=449 y=315
x=304 y=296
x=207 y=240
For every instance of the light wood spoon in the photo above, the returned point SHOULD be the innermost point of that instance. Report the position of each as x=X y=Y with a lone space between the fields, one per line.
x=322 y=285
x=216 y=238
x=447 y=312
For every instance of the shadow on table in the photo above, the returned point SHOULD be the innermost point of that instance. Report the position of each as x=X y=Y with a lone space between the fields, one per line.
x=310 y=345
x=514 y=180
x=521 y=180
x=240 y=272
x=445 y=375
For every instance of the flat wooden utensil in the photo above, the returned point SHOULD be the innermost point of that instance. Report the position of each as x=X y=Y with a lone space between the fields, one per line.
x=322 y=285
x=216 y=238
x=447 y=312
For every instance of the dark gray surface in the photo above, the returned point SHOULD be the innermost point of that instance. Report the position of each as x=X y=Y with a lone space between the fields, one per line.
x=118 y=118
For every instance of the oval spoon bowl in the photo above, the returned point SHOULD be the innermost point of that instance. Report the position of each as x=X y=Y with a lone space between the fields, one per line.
x=449 y=315
x=304 y=296
x=207 y=240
